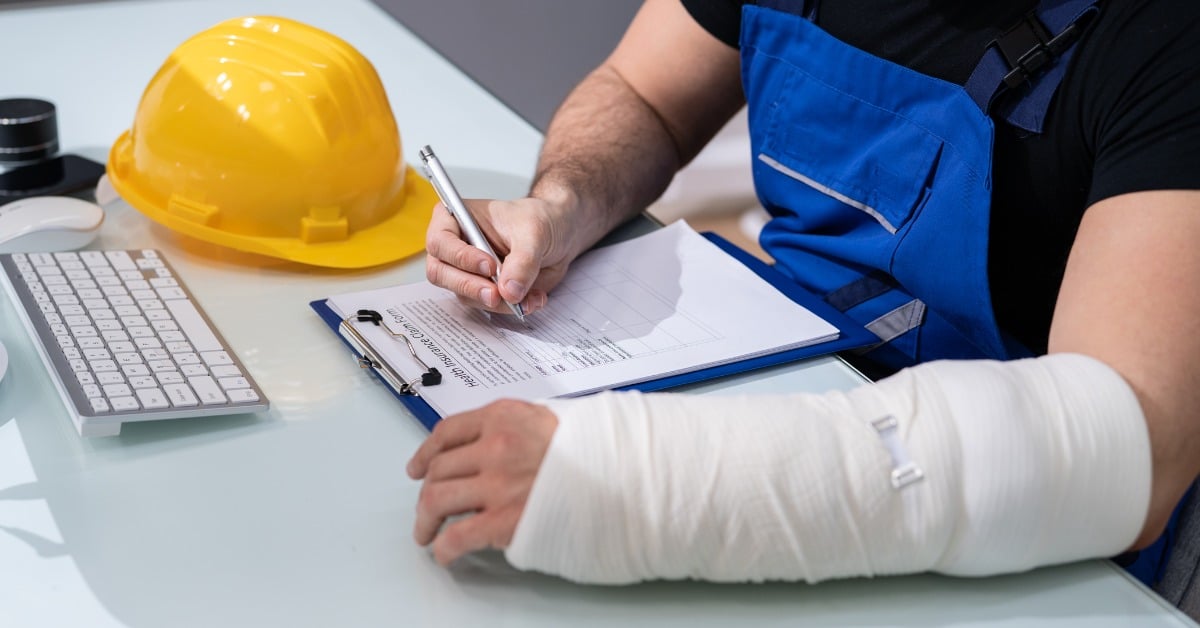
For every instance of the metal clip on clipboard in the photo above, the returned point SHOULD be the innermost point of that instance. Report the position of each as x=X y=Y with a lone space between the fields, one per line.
x=370 y=359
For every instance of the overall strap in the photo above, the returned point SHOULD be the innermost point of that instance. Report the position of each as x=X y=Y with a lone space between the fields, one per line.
x=1029 y=59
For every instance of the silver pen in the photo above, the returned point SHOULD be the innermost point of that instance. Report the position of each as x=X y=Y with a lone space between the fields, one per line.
x=454 y=204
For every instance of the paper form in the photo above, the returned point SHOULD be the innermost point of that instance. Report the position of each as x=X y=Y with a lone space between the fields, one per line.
x=658 y=305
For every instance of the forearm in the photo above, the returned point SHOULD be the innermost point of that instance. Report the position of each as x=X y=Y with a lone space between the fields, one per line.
x=1024 y=464
x=607 y=155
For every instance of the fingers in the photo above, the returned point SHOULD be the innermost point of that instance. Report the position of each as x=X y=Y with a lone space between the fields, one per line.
x=517 y=274
x=447 y=246
x=440 y=500
x=454 y=264
x=476 y=290
x=482 y=463
x=449 y=433
x=480 y=531
x=455 y=463
x=535 y=300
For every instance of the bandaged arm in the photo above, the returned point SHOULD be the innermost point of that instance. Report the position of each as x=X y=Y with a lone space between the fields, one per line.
x=988 y=467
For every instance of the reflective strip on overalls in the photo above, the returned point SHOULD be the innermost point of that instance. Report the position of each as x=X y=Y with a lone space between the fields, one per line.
x=878 y=177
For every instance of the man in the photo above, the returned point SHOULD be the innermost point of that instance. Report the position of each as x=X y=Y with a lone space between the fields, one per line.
x=1018 y=224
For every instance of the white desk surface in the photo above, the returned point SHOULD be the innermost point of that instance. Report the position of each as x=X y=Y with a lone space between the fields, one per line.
x=301 y=516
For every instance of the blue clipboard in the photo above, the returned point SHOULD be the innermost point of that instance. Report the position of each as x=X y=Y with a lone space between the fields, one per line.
x=851 y=335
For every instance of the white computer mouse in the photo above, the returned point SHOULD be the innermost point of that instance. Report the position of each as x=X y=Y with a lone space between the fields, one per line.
x=48 y=223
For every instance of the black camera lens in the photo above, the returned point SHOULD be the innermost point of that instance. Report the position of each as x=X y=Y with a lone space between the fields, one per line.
x=28 y=131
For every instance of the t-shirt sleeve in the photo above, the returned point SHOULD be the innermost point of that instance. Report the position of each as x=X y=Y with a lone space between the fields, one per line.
x=721 y=18
x=1145 y=117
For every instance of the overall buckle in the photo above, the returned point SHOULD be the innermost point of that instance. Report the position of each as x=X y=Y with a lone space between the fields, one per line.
x=1028 y=47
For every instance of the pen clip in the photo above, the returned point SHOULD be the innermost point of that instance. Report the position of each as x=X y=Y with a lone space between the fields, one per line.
x=368 y=358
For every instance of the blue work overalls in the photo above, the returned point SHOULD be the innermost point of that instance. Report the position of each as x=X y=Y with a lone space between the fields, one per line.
x=878 y=178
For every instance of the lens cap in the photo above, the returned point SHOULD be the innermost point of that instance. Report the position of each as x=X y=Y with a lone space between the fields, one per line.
x=28 y=131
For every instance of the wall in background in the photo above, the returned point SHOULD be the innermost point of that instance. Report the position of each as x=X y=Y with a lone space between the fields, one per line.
x=528 y=53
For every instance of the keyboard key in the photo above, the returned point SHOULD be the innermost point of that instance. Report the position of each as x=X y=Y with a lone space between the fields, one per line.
x=129 y=358
x=155 y=354
x=120 y=260
x=98 y=353
x=189 y=319
x=180 y=395
x=230 y=383
x=92 y=259
x=193 y=370
x=159 y=366
x=124 y=403
x=116 y=390
x=226 y=370
x=216 y=358
x=152 y=398
x=135 y=370
x=243 y=395
x=207 y=390
x=110 y=377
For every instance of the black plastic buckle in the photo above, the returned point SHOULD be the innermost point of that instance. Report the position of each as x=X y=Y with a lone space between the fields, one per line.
x=1028 y=47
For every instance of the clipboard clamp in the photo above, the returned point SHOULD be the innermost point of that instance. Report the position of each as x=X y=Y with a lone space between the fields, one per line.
x=369 y=359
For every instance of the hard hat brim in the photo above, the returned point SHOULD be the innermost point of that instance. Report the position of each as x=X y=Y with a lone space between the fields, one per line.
x=399 y=236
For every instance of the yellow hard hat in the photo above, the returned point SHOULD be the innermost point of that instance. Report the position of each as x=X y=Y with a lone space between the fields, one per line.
x=270 y=136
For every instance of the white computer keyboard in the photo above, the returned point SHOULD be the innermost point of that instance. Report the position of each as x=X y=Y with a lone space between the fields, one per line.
x=124 y=340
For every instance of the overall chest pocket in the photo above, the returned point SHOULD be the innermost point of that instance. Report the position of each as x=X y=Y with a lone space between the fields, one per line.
x=869 y=159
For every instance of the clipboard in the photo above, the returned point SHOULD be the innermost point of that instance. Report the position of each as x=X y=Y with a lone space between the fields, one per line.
x=851 y=335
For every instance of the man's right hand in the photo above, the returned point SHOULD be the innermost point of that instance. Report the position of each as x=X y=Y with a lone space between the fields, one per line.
x=530 y=235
